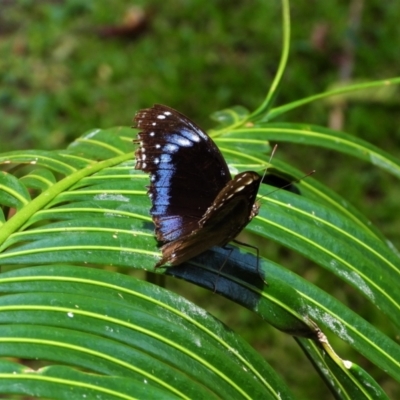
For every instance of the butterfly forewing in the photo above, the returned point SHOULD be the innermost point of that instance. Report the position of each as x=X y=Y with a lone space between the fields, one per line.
x=186 y=169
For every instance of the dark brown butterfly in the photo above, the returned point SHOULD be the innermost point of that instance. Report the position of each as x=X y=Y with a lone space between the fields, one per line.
x=195 y=202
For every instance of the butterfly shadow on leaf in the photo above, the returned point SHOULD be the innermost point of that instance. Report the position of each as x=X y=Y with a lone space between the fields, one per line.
x=228 y=272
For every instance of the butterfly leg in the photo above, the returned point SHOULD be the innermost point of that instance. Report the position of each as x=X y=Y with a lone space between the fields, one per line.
x=221 y=267
x=258 y=258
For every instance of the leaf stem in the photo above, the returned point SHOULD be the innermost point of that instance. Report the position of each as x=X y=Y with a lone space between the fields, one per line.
x=263 y=108
x=21 y=217
x=351 y=88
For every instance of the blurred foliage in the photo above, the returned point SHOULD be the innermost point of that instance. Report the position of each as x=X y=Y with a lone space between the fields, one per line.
x=65 y=69
x=60 y=76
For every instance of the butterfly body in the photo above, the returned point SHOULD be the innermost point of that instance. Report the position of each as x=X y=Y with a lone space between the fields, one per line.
x=195 y=202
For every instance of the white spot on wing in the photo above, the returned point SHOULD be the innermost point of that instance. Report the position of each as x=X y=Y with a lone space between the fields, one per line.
x=171 y=148
x=191 y=135
x=181 y=141
x=199 y=132
x=166 y=158
x=161 y=116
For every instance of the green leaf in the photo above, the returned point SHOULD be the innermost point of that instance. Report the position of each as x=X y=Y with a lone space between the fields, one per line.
x=320 y=193
x=328 y=94
x=328 y=138
x=61 y=162
x=335 y=243
x=116 y=325
x=40 y=179
x=345 y=379
x=289 y=303
x=12 y=192
x=328 y=312
x=98 y=215
x=65 y=383
x=98 y=144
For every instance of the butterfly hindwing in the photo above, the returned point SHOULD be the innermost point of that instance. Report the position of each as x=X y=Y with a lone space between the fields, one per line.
x=231 y=211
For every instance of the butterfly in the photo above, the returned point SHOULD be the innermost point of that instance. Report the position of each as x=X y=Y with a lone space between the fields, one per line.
x=195 y=202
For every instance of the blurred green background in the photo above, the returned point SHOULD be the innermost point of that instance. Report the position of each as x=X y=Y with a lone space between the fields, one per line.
x=67 y=66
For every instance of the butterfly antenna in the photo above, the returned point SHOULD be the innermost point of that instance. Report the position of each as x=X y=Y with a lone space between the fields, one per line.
x=269 y=162
x=288 y=184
